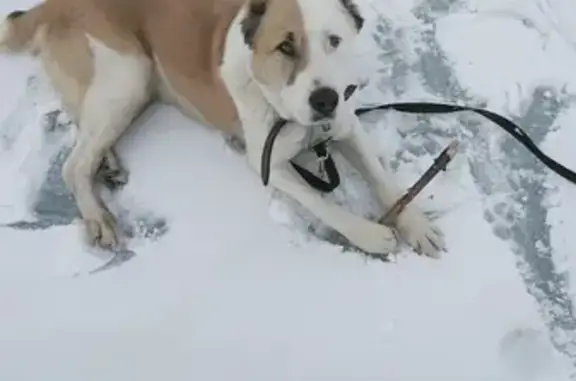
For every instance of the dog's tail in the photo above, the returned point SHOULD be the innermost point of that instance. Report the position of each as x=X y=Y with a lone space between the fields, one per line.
x=19 y=29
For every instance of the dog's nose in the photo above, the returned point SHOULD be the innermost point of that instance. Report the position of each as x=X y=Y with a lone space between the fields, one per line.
x=324 y=100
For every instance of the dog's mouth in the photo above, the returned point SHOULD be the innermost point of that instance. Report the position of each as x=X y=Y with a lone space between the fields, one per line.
x=321 y=118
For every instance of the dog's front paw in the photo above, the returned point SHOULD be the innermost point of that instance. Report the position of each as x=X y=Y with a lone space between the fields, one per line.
x=420 y=233
x=373 y=238
x=101 y=231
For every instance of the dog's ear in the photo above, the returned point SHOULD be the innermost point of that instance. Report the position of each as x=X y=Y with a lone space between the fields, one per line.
x=254 y=12
x=354 y=13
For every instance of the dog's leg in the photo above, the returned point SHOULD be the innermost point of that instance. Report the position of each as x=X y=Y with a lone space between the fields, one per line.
x=414 y=227
x=110 y=172
x=71 y=79
x=118 y=91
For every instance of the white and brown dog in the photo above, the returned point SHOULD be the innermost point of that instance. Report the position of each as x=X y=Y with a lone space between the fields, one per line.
x=235 y=65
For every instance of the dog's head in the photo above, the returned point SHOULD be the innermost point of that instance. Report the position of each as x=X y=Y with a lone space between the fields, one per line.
x=297 y=47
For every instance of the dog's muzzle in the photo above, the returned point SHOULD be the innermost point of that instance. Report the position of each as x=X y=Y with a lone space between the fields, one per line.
x=267 y=152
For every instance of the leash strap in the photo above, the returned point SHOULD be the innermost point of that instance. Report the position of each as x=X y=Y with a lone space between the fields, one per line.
x=507 y=125
x=313 y=180
x=412 y=108
x=329 y=167
x=267 y=150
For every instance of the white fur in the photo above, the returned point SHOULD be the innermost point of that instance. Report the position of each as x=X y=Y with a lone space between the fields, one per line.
x=256 y=110
x=119 y=89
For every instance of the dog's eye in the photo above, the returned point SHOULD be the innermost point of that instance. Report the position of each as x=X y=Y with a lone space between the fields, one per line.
x=287 y=48
x=334 y=40
x=349 y=91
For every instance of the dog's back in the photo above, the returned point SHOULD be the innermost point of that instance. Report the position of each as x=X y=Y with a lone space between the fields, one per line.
x=183 y=38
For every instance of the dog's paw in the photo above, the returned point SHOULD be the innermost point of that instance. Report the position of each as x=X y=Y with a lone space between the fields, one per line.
x=420 y=233
x=101 y=231
x=111 y=173
x=373 y=238
x=114 y=179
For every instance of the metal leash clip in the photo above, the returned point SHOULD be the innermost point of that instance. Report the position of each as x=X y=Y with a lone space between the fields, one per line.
x=322 y=163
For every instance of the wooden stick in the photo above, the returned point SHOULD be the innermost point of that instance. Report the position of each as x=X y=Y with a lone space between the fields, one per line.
x=439 y=164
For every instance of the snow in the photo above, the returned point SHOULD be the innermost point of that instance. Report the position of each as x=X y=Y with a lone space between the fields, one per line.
x=237 y=289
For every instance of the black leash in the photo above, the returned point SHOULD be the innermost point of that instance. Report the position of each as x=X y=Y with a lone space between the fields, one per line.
x=413 y=108
x=507 y=125
x=314 y=181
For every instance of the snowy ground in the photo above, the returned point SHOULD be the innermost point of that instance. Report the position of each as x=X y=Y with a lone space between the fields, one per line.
x=226 y=283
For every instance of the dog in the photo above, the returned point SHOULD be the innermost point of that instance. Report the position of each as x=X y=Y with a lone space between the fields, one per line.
x=234 y=65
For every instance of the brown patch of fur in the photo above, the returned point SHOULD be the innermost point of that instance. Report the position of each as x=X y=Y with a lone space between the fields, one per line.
x=283 y=21
x=188 y=41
